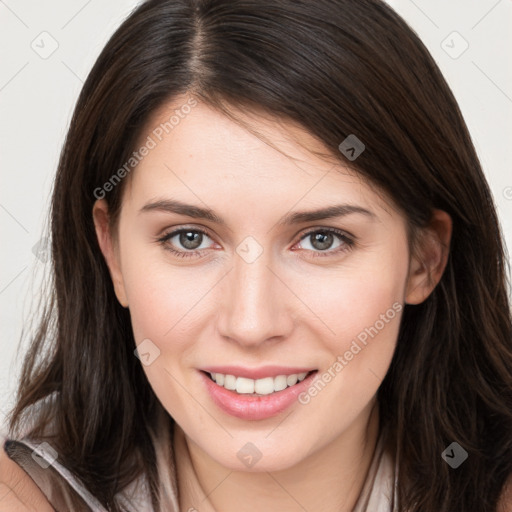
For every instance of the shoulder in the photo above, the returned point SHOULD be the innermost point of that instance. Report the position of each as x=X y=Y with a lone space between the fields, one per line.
x=18 y=492
x=505 y=503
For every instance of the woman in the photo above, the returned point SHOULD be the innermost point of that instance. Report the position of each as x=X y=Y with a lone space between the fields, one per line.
x=278 y=273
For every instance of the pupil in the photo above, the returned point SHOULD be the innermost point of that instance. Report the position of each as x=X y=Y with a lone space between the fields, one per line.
x=322 y=240
x=189 y=239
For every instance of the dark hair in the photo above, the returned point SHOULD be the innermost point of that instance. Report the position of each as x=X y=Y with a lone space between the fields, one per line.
x=336 y=67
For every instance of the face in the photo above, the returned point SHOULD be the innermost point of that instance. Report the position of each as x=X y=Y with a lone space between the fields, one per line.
x=253 y=292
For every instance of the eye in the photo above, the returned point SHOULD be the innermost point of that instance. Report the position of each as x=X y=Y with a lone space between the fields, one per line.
x=323 y=241
x=191 y=241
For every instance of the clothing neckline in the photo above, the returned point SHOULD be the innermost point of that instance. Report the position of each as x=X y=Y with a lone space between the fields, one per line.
x=378 y=493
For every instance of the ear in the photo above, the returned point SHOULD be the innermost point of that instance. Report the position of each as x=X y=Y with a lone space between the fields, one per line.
x=109 y=248
x=429 y=258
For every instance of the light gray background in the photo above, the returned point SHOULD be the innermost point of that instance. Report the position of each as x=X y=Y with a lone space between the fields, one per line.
x=38 y=90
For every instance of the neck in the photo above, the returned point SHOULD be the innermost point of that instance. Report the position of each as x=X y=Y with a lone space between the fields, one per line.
x=329 y=480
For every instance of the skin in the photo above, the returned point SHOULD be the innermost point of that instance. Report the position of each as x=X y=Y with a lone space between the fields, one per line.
x=295 y=305
x=18 y=492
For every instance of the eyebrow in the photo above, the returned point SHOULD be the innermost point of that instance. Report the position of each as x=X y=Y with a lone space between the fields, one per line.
x=198 y=212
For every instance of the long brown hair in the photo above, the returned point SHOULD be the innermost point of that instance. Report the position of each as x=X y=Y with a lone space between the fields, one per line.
x=336 y=67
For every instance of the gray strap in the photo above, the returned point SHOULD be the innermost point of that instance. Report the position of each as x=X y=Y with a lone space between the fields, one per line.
x=35 y=459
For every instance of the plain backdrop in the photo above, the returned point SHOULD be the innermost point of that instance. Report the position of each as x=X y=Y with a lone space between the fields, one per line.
x=47 y=49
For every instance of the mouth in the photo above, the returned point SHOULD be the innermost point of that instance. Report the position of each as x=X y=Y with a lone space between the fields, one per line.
x=257 y=387
x=269 y=393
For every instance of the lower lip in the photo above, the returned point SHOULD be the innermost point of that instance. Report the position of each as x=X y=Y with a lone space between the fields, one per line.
x=250 y=407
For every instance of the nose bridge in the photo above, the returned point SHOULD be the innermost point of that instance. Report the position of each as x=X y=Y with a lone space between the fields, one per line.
x=254 y=310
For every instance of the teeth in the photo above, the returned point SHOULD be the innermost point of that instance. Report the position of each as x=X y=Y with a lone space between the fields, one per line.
x=292 y=379
x=264 y=386
x=244 y=385
x=280 y=383
x=229 y=381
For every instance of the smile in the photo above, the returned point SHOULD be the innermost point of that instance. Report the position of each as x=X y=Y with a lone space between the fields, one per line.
x=265 y=386
x=270 y=393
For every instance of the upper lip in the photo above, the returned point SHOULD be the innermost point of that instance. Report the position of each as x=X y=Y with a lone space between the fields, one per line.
x=257 y=373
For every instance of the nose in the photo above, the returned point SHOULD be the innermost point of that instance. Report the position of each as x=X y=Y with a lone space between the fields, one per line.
x=255 y=305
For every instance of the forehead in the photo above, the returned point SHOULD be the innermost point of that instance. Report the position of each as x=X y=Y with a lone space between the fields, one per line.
x=198 y=153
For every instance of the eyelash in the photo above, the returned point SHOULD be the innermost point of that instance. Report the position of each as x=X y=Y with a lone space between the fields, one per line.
x=348 y=241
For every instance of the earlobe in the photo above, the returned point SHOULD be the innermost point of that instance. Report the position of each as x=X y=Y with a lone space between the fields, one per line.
x=430 y=258
x=108 y=248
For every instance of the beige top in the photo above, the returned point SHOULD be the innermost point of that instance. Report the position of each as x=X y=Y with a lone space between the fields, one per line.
x=38 y=461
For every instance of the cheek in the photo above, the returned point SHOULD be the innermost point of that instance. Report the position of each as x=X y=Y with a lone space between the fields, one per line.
x=363 y=308
x=159 y=295
x=366 y=323
x=357 y=297
x=162 y=303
